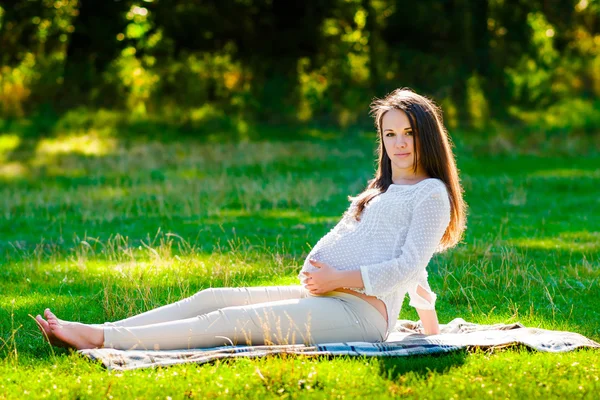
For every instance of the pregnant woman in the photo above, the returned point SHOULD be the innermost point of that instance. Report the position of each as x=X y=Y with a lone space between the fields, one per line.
x=355 y=278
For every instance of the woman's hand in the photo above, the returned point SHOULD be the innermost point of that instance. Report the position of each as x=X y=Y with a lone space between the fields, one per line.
x=322 y=281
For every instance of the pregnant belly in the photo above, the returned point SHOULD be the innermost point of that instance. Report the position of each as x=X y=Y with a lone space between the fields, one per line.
x=372 y=300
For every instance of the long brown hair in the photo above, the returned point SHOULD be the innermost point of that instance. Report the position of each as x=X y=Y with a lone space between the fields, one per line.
x=433 y=150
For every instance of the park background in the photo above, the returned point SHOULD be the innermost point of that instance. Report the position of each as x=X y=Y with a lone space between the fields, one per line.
x=150 y=149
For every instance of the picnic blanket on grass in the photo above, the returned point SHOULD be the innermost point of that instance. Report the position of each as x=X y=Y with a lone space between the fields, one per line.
x=406 y=340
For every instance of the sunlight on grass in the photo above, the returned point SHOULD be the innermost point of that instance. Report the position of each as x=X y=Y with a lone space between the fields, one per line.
x=322 y=134
x=259 y=217
x=32 y=302
x=166 y=256
x=232 y=213
x=570 y=241
x=192 y=173
x=565 y=173
x=274 y=213
x=283 y=213
x=89 y=144
x=13 y=170
x=8 y=142
x=205 y=267
x=10 y=169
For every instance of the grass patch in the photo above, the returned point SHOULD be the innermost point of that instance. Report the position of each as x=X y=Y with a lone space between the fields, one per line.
x=101 y=229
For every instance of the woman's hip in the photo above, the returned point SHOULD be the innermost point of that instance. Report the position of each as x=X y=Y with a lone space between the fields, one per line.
x=364 y=318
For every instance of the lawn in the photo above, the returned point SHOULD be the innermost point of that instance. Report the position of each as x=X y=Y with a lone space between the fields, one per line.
x=99 y=227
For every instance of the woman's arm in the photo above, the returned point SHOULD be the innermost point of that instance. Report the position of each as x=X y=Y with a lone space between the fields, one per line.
x=331 y=279
x=430 y=219
x=430 y=321
x=428 y=316
x=428 y=223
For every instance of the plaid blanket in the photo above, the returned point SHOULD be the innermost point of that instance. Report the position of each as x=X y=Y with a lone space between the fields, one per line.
x=406 y=340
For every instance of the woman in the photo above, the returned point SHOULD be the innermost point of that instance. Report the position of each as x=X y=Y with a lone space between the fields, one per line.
x=353 y=281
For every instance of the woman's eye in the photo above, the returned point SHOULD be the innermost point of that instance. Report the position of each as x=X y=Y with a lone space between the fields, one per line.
x=409 y=133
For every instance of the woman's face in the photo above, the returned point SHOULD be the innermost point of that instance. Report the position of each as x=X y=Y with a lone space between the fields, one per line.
x=399 y=142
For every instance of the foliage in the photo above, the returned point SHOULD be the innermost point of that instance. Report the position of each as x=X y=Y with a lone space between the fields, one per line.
x=320 y=61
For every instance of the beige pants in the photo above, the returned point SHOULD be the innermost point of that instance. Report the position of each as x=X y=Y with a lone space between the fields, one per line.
x=250 y=315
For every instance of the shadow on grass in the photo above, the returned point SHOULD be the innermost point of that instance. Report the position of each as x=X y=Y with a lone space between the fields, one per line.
x=388 y=367
x=130 y=130
x=393 y=367
x=202 y=231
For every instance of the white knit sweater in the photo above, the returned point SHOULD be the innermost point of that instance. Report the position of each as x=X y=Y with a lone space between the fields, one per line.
x=399 y=231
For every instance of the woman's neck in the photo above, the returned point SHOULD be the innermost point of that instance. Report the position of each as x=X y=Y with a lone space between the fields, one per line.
x=409 y=178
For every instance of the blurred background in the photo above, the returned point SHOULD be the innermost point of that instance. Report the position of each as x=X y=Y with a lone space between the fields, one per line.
x=520 y=71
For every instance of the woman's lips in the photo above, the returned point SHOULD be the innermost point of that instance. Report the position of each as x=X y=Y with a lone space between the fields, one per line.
x=402 y=155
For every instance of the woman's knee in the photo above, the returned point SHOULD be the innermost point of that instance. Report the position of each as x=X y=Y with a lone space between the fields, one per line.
x=211 y=292
x=217 y=296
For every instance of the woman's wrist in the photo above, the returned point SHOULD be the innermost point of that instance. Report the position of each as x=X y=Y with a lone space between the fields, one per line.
x=433 y=330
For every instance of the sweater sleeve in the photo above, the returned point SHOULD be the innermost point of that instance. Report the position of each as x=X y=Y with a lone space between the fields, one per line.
x=418 y=301
x=430 y=219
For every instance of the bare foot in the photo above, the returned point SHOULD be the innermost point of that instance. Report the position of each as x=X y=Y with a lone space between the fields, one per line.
x=47 y=332
x=71 y=334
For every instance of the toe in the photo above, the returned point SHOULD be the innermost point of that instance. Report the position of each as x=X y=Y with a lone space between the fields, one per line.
x=38 y=320
x=50 y=316
x=43 y=325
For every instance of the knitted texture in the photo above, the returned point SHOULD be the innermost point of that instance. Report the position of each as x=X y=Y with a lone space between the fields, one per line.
x=399 y=231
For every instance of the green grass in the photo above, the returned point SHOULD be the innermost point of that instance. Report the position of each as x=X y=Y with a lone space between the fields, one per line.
x=100 y=227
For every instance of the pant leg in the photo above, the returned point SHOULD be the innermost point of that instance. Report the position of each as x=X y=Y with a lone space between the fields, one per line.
x=212 y=299
x=307 y=320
